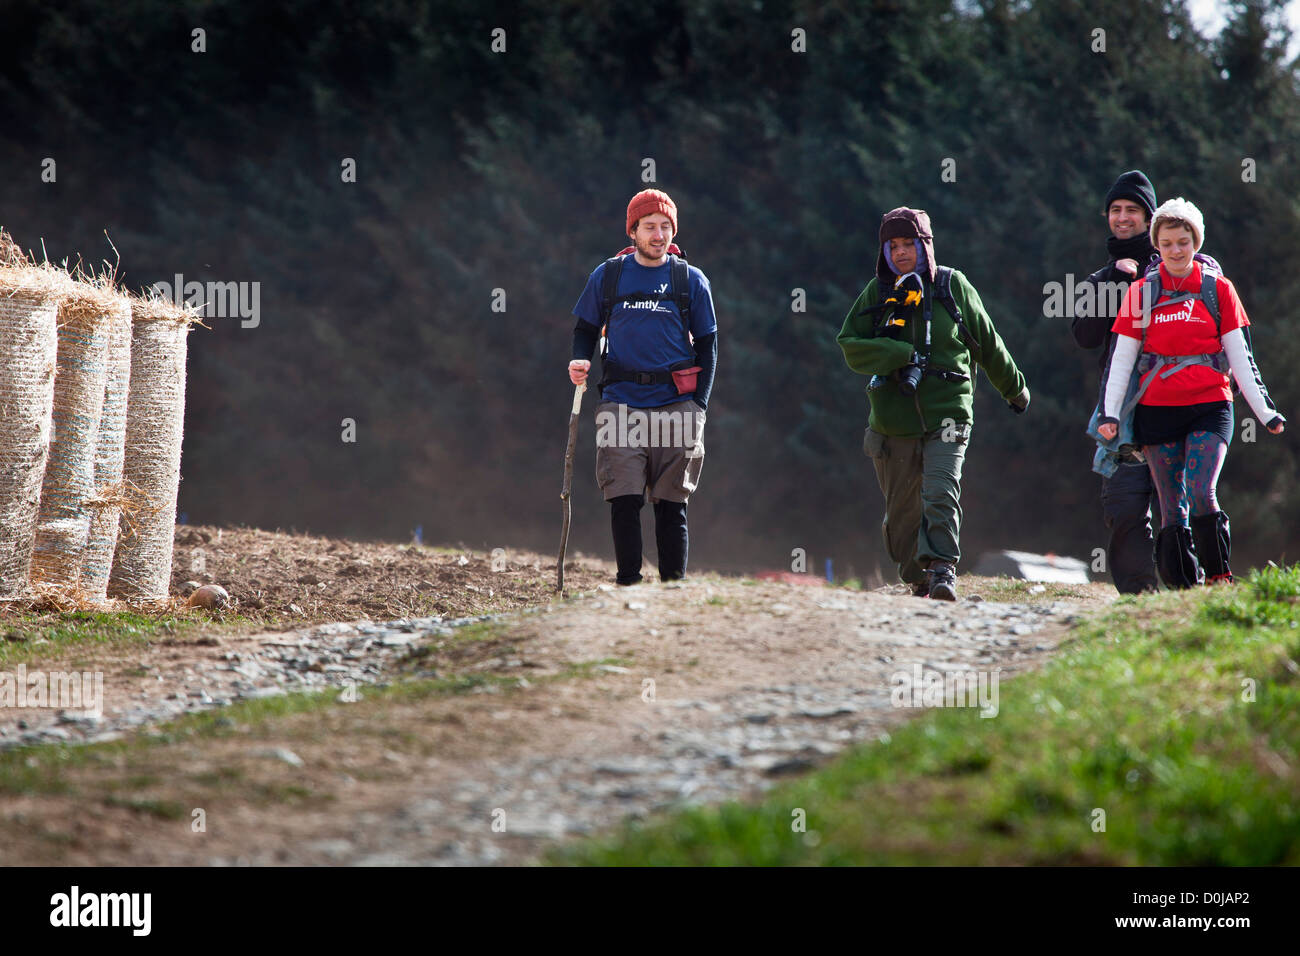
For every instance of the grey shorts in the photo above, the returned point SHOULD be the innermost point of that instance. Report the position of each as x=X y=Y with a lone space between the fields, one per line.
x=660 y=449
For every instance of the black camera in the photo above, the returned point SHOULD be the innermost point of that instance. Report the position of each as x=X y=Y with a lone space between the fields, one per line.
x=909 y=376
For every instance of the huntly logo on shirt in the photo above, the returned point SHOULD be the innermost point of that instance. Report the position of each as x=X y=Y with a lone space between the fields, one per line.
x=1182 y=314
x=652 y=304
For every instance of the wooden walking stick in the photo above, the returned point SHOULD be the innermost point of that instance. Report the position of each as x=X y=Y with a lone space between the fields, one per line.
x=568 y=483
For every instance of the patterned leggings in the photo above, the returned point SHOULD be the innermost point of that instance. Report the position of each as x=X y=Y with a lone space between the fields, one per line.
x=1185 y=474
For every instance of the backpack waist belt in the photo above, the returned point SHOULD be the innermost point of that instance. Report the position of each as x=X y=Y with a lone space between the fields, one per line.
x=611 y=371
x=1171 y=364
x=1216 y=360
x=617 y=373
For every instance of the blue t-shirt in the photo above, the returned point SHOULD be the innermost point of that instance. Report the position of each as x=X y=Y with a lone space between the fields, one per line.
x=646 y=335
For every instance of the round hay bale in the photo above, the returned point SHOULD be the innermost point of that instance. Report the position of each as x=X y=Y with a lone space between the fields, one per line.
x=63 y=527
x=29 y=303
x=106 y=504
x=155 y=417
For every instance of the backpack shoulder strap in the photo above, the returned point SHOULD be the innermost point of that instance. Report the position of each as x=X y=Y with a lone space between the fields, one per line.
x=609 y=289
x=1210 y=296
x=943 y=290
x=1151 y=293
x=1152 y=290
x=944 y=286
x=680 y=278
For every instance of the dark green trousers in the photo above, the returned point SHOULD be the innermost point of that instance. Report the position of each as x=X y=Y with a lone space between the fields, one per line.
x=921 y=481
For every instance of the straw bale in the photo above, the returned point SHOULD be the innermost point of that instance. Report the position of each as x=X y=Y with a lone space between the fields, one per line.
x=63 y=527
x=109 y=489
x=155 y=416
x=11 y=254
x=29 y=302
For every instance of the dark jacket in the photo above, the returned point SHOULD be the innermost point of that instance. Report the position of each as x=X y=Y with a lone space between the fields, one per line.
x=1093 y=331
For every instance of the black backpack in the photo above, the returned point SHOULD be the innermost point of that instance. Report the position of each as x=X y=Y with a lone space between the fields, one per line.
x=679 y=291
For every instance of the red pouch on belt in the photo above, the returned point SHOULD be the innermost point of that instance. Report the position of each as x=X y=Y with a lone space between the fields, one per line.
x=684 y=379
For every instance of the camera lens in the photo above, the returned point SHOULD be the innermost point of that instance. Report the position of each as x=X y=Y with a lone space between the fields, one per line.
x=909 y=380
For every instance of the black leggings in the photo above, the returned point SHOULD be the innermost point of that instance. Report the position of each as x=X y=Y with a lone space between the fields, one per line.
x=671 y=537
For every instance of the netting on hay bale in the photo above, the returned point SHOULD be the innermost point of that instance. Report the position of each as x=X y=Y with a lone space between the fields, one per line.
x=109 y=491
x=155 y=415
x=29 y=304
x=63 y=525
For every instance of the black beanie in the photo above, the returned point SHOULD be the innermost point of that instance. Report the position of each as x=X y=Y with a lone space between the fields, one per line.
x=1134 y=185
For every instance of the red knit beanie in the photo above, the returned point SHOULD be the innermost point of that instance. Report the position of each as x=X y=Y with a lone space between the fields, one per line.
x=648 y=202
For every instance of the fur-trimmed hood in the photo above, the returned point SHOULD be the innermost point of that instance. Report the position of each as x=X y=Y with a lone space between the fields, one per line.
x=905 y=223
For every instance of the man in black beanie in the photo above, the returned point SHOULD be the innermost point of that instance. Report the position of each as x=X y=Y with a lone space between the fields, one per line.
x=1126 y=495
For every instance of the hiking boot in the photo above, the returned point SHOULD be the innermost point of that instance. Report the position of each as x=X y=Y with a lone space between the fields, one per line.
x=921 y=589
x=943 y=581
x=1213 y=537
x=1176 y=558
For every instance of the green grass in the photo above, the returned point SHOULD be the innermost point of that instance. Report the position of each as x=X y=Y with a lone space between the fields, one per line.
x=1142 y=715
x=1016 y=590
x=53 y=636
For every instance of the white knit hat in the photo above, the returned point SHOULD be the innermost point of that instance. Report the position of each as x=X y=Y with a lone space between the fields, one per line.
x=1179 y=208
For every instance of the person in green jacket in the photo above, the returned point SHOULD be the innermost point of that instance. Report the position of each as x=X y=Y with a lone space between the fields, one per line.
x=919 y=330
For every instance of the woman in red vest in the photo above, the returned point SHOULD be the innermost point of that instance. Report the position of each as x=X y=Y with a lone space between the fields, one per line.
x=1183 y=421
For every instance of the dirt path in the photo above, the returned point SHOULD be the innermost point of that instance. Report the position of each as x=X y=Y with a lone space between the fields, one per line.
x=614 y=704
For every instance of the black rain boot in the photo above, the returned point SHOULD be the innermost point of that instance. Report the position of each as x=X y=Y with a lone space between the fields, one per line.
x=1213 y=546
x=625 y=517
x=672 y=539
x=1176 y=557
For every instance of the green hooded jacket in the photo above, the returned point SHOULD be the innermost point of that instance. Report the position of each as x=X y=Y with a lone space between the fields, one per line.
x=936 y=399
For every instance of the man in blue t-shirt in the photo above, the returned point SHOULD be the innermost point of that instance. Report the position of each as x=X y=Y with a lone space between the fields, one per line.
x=657 y=372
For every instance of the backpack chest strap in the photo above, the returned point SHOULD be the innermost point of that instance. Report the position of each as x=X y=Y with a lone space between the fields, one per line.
x=1174 y=299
